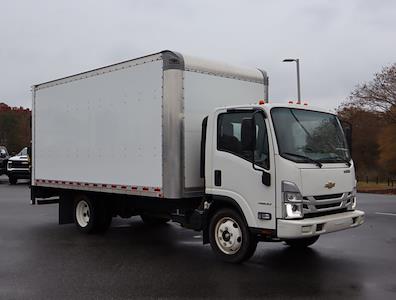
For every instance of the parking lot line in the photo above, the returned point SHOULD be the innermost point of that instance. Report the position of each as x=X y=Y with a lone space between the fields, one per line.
x=386 y=214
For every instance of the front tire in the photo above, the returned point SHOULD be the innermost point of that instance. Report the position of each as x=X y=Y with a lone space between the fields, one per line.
x=230 y=238
x=91 y=216
x=12 y=180
x=302 y=243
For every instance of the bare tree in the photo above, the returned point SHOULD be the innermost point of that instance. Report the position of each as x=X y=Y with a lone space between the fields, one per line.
x=377 y=95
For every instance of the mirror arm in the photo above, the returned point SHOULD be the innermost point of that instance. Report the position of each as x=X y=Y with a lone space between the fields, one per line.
x=253 y=161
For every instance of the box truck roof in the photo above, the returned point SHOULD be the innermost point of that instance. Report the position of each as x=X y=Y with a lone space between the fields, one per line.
x=171 y=60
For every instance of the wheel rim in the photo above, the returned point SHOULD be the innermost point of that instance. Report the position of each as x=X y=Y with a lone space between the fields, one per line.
x=228 y=235
x=82 y=213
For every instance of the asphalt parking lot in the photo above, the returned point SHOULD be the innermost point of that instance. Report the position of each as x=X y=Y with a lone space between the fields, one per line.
x=42 y=260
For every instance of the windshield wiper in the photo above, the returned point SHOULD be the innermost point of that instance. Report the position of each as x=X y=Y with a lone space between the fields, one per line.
x=347 y=162
x=316 y=162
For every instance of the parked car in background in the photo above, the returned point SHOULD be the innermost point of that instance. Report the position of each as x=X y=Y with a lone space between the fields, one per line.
x=18 y=166
x=4 y=156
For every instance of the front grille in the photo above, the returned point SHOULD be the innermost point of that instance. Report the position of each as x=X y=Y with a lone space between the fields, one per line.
x=18 y=165
x=326 y=203
x=322 y=206
x=326 y=197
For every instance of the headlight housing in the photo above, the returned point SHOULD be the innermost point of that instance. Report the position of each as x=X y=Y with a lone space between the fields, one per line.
x=292 y=201
x=353 y=199
x=353 y=206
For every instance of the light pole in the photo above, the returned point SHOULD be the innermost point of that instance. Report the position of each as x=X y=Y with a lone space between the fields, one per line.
x=298 y=76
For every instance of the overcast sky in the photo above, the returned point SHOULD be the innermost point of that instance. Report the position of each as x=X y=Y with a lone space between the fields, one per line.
x=340 y=43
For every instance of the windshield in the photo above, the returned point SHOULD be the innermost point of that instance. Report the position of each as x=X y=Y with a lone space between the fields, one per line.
x=307 y=136
x=23 y=152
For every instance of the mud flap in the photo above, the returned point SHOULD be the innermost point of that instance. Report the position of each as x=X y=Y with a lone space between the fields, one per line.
x=66 y=210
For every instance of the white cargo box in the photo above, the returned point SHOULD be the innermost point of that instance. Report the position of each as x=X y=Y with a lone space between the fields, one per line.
x=134 y=127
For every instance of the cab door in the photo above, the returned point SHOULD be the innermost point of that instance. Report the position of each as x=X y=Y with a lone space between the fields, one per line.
x=232 y=173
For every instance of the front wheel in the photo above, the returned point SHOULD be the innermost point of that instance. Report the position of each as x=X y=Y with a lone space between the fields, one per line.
x=230 y=238
x=302 y=243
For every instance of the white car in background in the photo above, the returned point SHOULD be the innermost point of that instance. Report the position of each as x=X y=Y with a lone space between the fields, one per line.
x=18 y=167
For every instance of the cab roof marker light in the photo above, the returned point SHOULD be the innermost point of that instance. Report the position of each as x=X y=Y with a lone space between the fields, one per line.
x=306 y=103
x=290 y=102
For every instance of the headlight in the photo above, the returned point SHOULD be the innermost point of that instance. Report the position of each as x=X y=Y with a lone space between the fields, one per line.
x=292 y=201
x=293 y=211
x=353 y=206
x=353 y=199
x=293 y=197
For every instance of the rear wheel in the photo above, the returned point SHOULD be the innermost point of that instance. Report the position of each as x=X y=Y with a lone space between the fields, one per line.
x=302 y=243
x=229 y=236
x=12 y=180
x=153 y=220
x=91 y=216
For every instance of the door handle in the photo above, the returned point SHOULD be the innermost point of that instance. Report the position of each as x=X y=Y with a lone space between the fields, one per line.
x=217 y=178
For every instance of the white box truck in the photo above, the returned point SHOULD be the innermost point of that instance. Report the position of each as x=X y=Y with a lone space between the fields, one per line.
x=171 y=137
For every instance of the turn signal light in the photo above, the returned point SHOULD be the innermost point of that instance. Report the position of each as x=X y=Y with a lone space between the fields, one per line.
x=261 y=102
x=290 y=102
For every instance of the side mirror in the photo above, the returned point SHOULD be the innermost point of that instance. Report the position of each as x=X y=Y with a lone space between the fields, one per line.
x=248 y=141
x=347 y=127
x=248 y=134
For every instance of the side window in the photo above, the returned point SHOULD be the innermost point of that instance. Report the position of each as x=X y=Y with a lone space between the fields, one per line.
x=229 y=137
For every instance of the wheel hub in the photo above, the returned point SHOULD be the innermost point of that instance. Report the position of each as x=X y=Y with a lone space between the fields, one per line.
x=82 y=213
x=228 y=235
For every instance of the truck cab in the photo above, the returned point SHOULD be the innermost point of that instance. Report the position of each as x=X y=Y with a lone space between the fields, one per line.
x=287 y=169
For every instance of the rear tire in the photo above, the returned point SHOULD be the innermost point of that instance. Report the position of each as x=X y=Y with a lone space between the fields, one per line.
x=152 y=220
x=302 y=243
x=229 y=236
x=12 y=180
x=91 y=216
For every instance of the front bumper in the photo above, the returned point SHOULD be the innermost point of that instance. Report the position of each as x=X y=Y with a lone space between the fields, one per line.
x=292 y=229
x=19 y=173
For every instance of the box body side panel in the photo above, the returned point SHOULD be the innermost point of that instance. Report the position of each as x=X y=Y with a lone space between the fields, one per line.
x=203 y=93
x=102 y=129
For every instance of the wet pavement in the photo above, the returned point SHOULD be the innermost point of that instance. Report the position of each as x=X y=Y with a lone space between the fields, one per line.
x=42 y=260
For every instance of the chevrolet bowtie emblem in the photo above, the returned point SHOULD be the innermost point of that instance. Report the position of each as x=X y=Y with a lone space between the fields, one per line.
x=330 y=185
